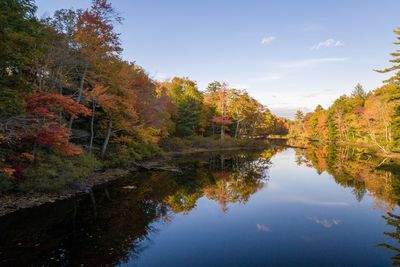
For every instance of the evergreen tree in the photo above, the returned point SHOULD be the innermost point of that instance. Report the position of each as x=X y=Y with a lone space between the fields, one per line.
x=395 y=79
x=188 y=117
x=396 y=62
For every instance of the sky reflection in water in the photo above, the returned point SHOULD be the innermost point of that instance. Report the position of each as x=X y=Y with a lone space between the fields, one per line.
x=301 y=208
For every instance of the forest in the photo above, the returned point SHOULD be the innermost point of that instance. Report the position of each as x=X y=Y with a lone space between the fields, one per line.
x=104 y=161
x=71 y=104
x=365 y=118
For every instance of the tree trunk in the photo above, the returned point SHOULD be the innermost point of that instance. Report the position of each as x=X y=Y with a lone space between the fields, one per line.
x=237 y=128
x=80 y=93
x=105 y=144
x=92 y=128
x=222 y=131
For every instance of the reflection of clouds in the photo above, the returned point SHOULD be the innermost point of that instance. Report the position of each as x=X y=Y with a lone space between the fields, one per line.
x=325 y=222
x=309 y=201
x=262 y=227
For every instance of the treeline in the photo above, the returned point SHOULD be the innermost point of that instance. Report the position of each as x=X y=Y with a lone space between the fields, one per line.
x=68 y=99
x=369 y=118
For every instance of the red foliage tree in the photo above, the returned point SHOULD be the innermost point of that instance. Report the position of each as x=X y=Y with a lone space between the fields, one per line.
x=221 y=120
x=42 y=127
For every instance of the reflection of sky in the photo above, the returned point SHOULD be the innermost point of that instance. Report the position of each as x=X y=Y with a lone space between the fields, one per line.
x=298 y=204
x=262 y=227
x=327 y=223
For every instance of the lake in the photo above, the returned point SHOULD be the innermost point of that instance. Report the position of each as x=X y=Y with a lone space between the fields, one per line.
x=320 y=206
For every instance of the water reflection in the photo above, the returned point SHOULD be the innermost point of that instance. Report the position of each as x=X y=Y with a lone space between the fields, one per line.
x=114 y=224
x=394 y=221
x=355 y=168
x=325 y=222
x=109 y=225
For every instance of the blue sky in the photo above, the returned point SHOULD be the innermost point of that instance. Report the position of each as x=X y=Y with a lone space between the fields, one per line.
x=288 y=54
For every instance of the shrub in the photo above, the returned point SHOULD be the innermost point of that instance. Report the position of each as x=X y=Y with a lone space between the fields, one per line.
x=6 y=183
x=175 y=144
x=52 y=172
x=135 y=152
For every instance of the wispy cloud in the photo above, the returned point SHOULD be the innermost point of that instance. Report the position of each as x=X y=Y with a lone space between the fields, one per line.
x=262 y=227
x=312 y=28
x=267 y=40
x=327 y=43
x=312 y=62
x=325 y=222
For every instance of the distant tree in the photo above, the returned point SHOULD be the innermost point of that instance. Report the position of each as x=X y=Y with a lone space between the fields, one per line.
x=318 y=108
x=359 y=92
x=299 y=115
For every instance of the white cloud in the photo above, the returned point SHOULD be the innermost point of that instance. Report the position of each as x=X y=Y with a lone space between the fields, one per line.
x=263 y=227
x=268 y=39
x=327 y=43
x=312 y=62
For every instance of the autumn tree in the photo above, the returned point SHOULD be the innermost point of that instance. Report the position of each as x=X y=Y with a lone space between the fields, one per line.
x=217 y=94
x=98 y=44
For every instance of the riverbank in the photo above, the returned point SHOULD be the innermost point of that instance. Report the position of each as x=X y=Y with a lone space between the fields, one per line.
x=373 y=150
x=13 y=201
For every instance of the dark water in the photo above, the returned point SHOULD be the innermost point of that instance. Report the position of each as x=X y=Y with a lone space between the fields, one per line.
x=321 y=206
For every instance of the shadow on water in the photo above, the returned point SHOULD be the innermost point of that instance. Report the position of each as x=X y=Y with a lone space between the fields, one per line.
x=109 y=225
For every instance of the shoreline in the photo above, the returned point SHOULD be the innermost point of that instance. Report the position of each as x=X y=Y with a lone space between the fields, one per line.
x=12 y=202
x=375 y=151
x=15 y=201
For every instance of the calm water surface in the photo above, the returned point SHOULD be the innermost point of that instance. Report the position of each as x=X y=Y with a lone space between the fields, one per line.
x=278 y=207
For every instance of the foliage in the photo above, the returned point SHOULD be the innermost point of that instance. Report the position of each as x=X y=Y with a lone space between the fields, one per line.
x=361 y=117
x=135 y=152
x=65 y=90
x=354 y=167
x=53 y=172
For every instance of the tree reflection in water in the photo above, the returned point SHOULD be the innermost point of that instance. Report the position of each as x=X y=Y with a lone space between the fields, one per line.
x=394 y=221
x=114 y=223
x=109 y=226
x=355 y=168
